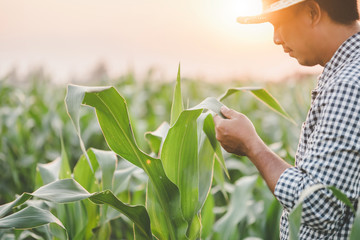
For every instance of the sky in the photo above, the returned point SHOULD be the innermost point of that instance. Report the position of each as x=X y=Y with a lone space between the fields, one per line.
x=70 y=38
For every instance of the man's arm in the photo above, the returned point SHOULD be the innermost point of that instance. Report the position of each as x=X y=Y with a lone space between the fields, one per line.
x=330 y=157
x=237 y=135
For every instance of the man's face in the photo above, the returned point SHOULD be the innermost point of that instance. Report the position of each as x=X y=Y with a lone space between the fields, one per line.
x=292 y=31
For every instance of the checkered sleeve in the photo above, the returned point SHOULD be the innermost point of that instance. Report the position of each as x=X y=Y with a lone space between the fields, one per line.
x=332 y=158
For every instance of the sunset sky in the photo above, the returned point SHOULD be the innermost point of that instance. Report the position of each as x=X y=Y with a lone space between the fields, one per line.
x=69 y=38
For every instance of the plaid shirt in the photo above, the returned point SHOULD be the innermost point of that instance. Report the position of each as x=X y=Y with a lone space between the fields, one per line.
x=328 y=152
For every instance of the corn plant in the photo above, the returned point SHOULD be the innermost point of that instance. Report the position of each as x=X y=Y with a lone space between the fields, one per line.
x=184 y=160
x=32 y=118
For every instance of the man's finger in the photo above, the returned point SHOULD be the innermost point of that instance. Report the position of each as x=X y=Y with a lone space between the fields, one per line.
x=217 y=118
x=227 y=112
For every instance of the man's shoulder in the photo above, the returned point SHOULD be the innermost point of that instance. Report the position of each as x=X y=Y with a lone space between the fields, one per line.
x=344 y=83
x=347 y=76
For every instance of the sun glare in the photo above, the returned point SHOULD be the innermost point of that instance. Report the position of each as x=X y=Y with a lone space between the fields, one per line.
x=232 y=9
x=248 y=7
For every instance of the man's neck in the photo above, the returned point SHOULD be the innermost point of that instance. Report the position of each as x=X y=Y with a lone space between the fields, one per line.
x=337 y=34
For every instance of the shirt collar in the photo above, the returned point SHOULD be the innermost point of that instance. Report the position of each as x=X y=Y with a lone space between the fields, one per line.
x=346 y=53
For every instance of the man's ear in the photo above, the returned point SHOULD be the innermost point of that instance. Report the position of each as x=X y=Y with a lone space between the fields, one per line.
x=314 y=12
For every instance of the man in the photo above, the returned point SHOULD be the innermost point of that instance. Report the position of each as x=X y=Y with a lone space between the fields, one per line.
x=324 y=32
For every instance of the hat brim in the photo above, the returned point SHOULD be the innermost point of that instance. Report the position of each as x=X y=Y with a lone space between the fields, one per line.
x=262 y=18
x=265 y=16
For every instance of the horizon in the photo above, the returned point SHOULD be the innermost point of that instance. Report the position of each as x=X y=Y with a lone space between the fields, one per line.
x=69 y=39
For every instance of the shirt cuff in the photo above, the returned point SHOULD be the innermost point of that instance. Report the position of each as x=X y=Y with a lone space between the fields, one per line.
x=288 y=187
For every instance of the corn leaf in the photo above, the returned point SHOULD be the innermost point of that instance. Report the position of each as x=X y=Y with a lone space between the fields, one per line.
x=68 y=190
x=219 y=179
x=295 y=214
x=264 y=96
x=194 y=228
x=177 y=104
x=137 y=214
x=65 y=171
x=122 y=178
x=55 y=170
x=49 y=172
x=355 y=231
x=206 y=161
x=209 y=129
x=207 y=217
x=6 y=208
x=62 y=191
x=212 y=104
x=157 y=137
x=180 y=160
x=29 y=217
x=156 y=213
x=342 y=197
x=237 y=208
x=114 y=121
x=272 y=219
x=83 y=174
x=73 y=100
x=86 y=178
x=107 y=161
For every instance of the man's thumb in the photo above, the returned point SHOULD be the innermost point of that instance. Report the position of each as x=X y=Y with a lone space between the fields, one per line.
x=227 y=112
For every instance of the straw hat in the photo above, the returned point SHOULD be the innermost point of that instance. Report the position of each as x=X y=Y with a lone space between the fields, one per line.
x=269 y=6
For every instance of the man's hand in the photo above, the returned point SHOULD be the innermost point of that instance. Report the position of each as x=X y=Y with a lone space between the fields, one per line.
x=236 y=133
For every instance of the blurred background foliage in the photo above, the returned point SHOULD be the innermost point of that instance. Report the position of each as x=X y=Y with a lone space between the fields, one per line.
x=33 y=120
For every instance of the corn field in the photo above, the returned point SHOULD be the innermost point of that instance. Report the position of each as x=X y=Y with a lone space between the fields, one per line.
x=138 y=159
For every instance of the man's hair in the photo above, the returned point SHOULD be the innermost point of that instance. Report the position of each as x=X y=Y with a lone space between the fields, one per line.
x=340 y=11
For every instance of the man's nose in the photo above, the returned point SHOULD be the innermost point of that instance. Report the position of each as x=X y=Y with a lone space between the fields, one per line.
x=277 y=37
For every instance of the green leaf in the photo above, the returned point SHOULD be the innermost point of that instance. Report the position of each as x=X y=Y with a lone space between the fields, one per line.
x=65 y=171
x=342 y=197
x=86 y=178
x=74 y=98
x=295 y=222
x=207 y=217
x=68 y=190
x=219 y=179
x=83 y=174
x=177 y=105
x=156 y=213
x=6 y=208
x=103 y=231
x=49 y=172
x=137 y=214
x=264 y=96
x=157 y=137
x=180 y=160
x=272 y=219
x=209 y=129
x=57 y=169
x=122 y=178
x=114 y=121
x=212 y=104
x=29 y=217
x=206 y=162
x=295 y=214
x=62 y=191
x=74 y=216
x=237 y=208
x=107 y=161
x=355 y=231
x=194 y=228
